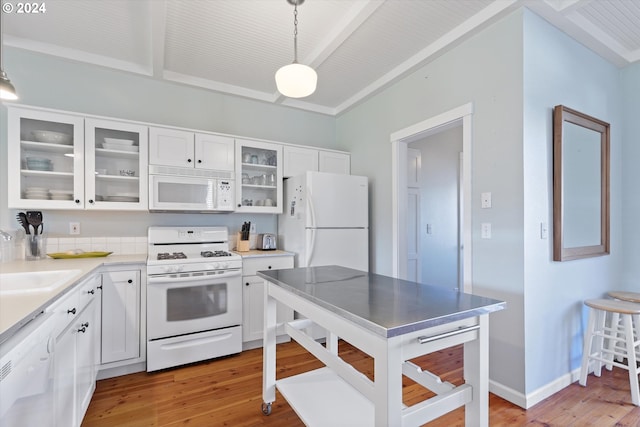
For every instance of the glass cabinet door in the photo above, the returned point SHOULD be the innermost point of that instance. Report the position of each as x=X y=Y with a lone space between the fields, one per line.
x=45 y=164
x=258 y=177
x=116 y=165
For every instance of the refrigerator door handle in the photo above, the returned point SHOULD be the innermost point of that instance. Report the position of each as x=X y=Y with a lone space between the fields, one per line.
x=312 y=211
x=311 y=246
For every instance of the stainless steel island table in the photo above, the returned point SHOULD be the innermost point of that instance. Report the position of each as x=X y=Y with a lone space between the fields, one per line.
x=391 y=320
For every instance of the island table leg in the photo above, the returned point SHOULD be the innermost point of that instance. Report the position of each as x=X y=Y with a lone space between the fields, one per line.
x=269 y=351
x=476 y=374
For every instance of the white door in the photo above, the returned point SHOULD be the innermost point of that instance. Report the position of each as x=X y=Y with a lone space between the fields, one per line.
x=214 y=152
x=344 y=247
x=335 y=200
x=171 y=147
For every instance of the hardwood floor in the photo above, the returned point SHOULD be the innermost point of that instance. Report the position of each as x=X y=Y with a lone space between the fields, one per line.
x=228 y=392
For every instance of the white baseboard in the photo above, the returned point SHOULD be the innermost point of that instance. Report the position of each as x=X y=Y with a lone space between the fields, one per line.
x=536 y=396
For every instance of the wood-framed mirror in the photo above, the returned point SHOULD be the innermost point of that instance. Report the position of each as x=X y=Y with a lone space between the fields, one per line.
x=580 y=185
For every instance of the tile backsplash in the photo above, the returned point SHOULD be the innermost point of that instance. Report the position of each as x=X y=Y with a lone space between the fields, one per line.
x=117 y=245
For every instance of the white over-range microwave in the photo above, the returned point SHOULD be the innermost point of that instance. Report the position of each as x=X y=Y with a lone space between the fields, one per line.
x=180 y=189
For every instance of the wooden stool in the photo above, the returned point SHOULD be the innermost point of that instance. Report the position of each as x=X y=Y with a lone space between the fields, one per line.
x=598 y=331
x=615 y=320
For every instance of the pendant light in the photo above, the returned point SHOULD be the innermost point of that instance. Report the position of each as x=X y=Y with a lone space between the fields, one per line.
x=296 y=80
x=7 y=91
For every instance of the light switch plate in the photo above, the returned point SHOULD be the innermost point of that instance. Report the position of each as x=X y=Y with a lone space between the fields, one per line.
x=486 y=230
x=486 y=200
x=544 y=230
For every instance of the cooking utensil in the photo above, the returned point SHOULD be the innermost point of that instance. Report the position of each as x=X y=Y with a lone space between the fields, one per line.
x=34 y=218
x=22 y=219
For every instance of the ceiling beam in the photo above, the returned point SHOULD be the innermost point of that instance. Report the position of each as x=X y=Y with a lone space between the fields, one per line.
x=158 y=37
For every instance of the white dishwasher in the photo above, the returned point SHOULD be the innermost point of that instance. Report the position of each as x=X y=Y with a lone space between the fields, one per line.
x=26 y=380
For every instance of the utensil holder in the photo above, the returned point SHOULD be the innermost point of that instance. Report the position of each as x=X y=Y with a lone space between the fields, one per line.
x=242 y=245
x=34 y=247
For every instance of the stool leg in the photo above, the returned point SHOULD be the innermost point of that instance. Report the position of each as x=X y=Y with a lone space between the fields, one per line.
x=586 y=349
x=613 y=344
x=631 y=360
x=601 y=317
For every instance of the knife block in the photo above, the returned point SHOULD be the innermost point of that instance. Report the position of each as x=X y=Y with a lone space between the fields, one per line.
x=242 y=245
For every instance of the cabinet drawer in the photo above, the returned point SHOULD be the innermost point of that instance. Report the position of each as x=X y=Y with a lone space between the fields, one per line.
x=251 y=265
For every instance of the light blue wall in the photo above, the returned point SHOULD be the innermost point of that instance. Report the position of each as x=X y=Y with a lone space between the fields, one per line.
x=630 y=78
x=485 y=70
x=51 y=82
x=558 y=70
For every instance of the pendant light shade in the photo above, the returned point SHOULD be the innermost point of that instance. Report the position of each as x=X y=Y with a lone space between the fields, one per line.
x=296 y=80
x=7 y=91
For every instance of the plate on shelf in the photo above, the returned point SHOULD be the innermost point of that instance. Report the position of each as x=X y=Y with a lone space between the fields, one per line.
x=52 y=137
x=116 y=141
x=119 y=147
x=65 y=255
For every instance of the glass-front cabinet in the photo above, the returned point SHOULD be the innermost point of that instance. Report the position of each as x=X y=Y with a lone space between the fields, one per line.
x=45 y=159
x=64 y=161
x=258 y=177
x=116 y=165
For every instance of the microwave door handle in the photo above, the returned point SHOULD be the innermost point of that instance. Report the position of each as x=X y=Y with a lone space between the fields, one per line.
x=167 y=279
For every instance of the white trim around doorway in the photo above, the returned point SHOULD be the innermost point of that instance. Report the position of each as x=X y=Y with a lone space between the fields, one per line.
x=461 y=115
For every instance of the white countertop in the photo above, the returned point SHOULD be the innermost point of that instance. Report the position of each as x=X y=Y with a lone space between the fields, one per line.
x=17 y=310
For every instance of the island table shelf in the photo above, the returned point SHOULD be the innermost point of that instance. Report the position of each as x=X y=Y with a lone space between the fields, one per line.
x=391 y=320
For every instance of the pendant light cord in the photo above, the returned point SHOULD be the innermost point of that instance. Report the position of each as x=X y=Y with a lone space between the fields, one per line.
x=295 y=33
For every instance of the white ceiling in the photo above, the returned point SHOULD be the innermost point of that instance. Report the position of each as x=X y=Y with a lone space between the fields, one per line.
x=356 y=46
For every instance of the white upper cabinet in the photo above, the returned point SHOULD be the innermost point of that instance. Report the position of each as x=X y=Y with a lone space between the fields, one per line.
x=298 y=160
x=59 y=161
x=116 y=165
x=173 y=147
x=258 y=177
x=45 y=159
x=334 y=162
x=214 y=152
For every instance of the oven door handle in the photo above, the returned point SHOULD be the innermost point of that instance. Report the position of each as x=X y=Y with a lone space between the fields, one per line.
x=165 y=279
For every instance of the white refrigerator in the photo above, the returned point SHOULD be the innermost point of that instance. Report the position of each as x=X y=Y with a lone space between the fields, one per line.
x=326 y=220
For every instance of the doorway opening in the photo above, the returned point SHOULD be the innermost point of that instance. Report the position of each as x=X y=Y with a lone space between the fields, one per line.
x=400 y=140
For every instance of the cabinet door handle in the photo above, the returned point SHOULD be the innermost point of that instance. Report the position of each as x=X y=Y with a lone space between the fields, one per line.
x=85 y=325
x=78 y=201
x=188 y=160
x=72 y=311
x=91 y=201
x=246 y=284
x=269 y=267
x=91 y=292
x=129 y=281
x=199 y=161
x=99 y=287
x=83 y=329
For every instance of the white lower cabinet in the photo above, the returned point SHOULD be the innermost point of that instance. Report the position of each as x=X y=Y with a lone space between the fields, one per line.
x=120 y=315
x=75 y=369
x=253 y=294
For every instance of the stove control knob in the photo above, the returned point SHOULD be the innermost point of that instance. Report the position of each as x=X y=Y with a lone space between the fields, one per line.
x=215 y=265
x=179 y=267
x=224 y=264
x=167 y=269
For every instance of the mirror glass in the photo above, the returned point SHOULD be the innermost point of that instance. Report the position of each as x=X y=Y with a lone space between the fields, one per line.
x=581 y=186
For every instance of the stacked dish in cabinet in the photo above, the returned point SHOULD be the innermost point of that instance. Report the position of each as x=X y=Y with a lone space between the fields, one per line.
x=47 y=160
x=116 y=166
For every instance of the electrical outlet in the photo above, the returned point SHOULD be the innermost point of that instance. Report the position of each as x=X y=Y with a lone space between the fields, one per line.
x=74 y=228
x=252 y=229
x=544 y=230
x=485 y=200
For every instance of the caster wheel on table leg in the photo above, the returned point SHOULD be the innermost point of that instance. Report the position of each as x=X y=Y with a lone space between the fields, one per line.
x=266 y=408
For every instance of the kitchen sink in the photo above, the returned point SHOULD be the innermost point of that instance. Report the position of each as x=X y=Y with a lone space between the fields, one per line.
x=34 y=281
